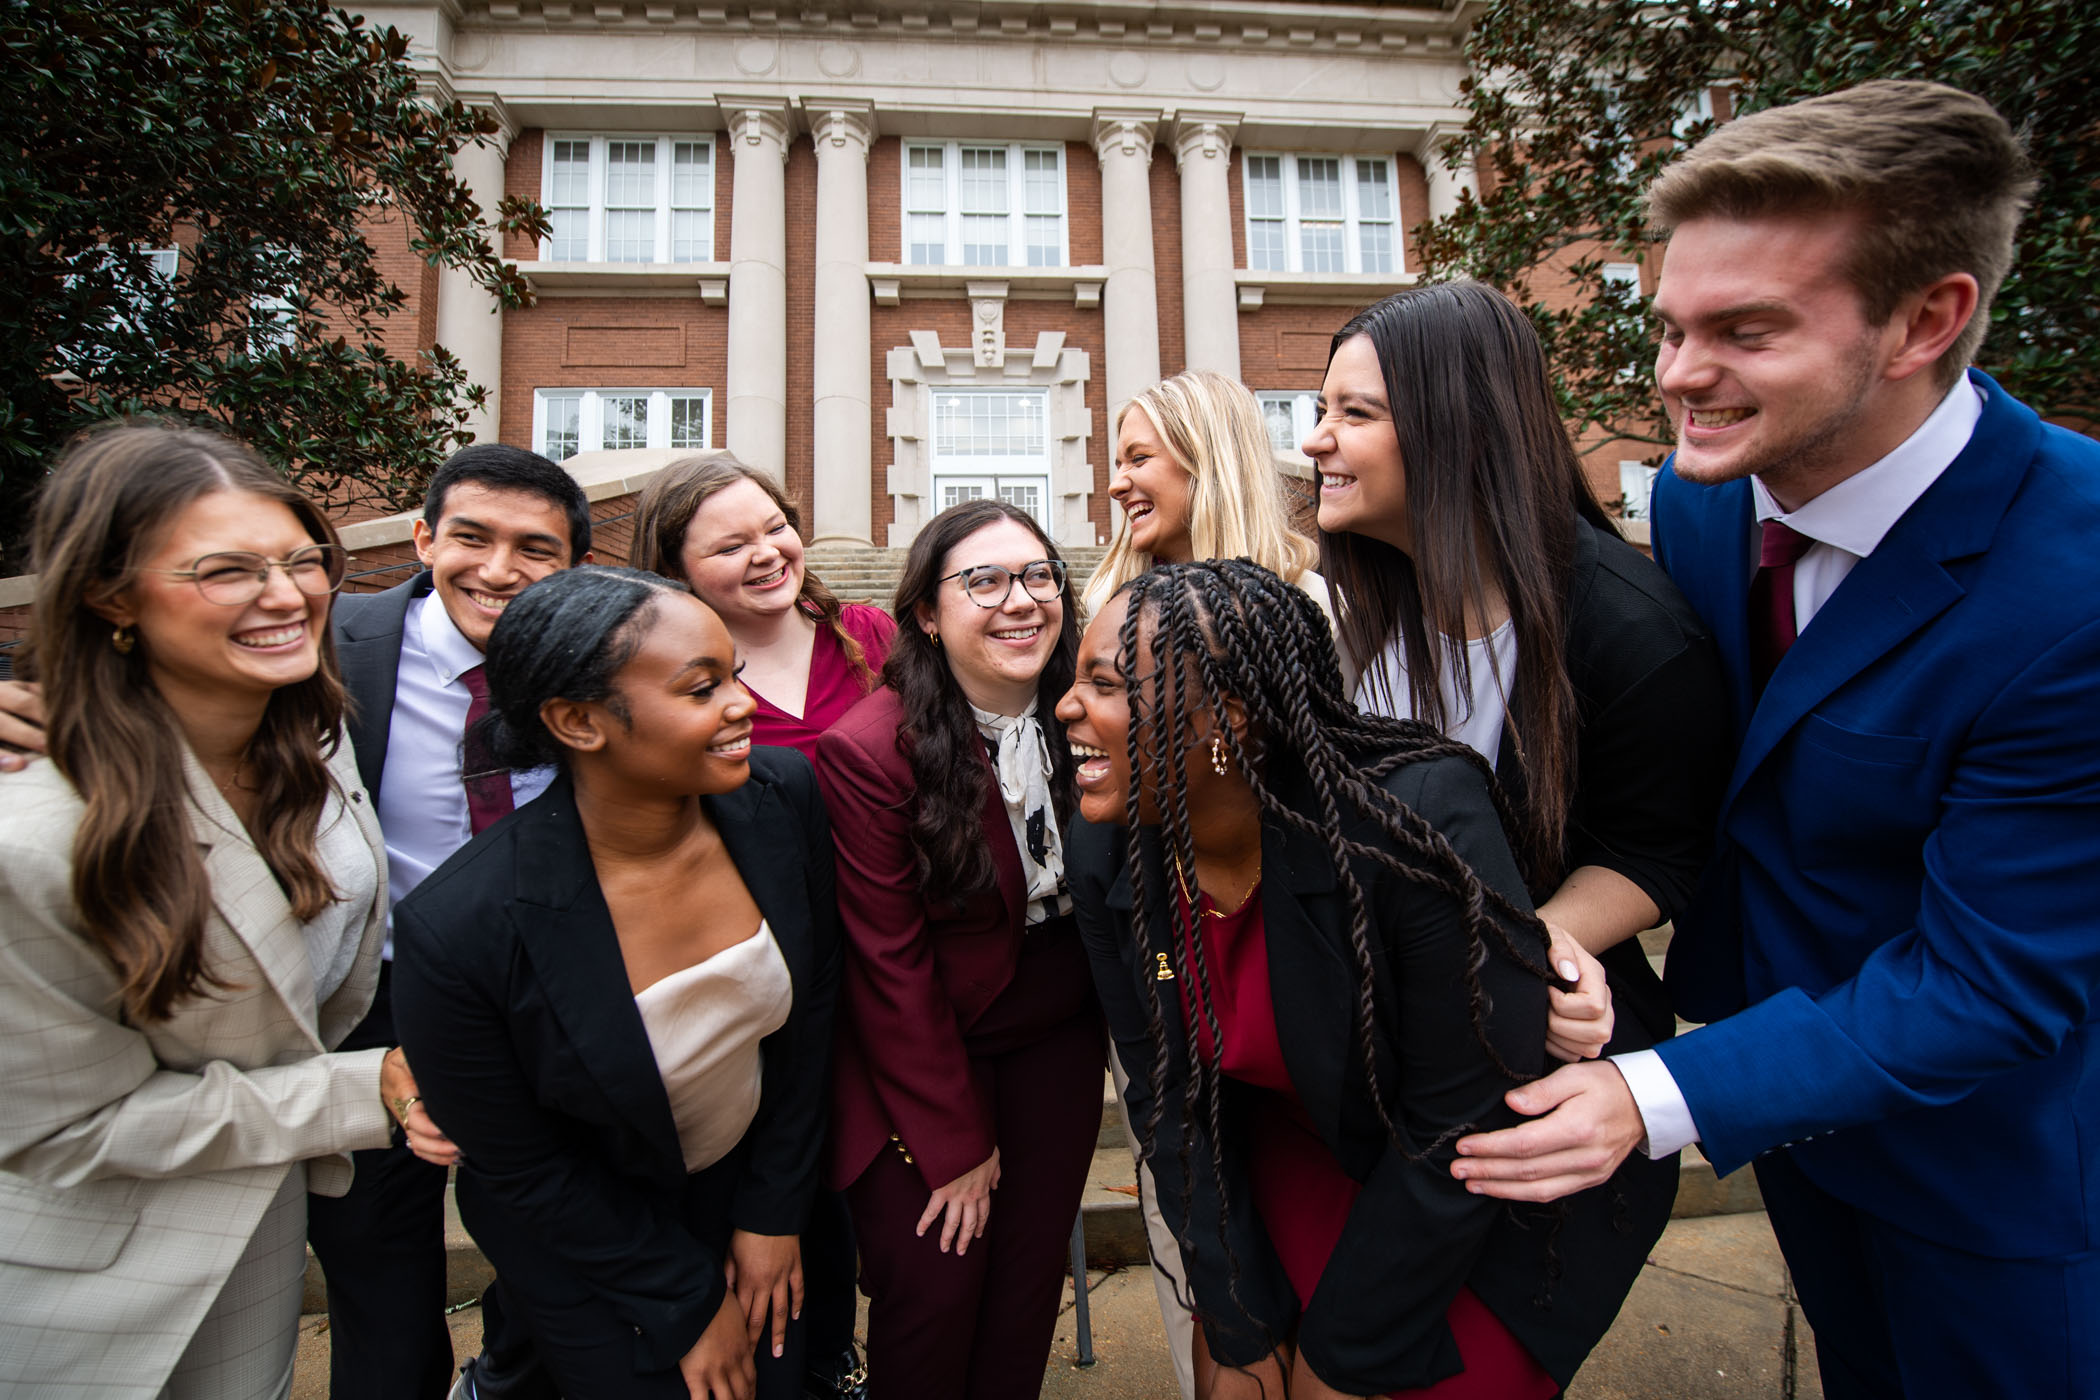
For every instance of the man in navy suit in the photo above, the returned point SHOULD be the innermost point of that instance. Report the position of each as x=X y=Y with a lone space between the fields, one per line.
x=1897 y=946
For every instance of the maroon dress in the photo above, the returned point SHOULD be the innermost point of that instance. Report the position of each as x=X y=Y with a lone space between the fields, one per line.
x=1303 y=1195
x=834 y=686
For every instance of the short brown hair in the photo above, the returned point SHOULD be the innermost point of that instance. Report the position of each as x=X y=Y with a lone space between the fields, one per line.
x=1936 y=175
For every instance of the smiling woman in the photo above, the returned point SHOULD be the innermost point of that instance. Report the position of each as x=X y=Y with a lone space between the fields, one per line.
x=970 y=1053
x=637 y=1093
x=191 y=910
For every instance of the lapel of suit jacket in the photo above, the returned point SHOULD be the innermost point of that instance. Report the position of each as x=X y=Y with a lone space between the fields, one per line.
x=762 y=844
x=1903 y=584
x=562 y=920
x=368 y=647
x=250 y=901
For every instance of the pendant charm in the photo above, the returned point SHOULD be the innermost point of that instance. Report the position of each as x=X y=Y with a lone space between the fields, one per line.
x=1165 y=973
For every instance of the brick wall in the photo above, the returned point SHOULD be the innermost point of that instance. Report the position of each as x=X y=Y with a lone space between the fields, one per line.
x=801 y=323
x=1166 y=260
x=612 y=342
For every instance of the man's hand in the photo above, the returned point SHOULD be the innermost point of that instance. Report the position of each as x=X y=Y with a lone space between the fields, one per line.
x=1590 y=1124
x=1579 y=1021
x=21 y=724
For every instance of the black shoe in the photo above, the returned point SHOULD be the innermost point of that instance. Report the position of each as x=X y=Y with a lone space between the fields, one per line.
x=842 y=1377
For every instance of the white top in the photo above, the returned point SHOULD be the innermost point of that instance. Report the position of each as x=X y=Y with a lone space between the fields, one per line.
x=1475 y=716
x=705 y=1024
x=422 y=800
x=333 y=935
x=1847 y=522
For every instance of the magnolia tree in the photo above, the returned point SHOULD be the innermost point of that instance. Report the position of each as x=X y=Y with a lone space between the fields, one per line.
x=186 y=194
x=1577 y=104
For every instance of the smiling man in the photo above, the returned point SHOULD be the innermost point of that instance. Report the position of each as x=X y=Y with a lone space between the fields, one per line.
x=497 y=520
x=1896 y=946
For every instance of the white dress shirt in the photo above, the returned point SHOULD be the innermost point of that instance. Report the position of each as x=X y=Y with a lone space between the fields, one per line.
x=1846 y=522
x=422 y=800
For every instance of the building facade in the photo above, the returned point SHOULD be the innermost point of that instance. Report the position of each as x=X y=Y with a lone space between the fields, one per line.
x=901 y=253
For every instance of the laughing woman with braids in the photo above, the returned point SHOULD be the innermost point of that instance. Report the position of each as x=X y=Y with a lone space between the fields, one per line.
x=1320 y=966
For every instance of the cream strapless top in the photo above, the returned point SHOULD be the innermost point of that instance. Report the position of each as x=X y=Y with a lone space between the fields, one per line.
x=704 y=1024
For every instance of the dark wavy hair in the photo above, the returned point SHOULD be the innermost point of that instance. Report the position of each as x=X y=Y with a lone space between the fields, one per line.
x=666 y=510
x=1222 y=630
x=1495 y=495
x=138 y=882
x=939 y=736
x=502 y=467
x=564 y=638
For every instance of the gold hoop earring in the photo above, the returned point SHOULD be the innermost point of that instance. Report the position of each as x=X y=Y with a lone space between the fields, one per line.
x=936 y=638
x=123 y=640
x=1217 y=756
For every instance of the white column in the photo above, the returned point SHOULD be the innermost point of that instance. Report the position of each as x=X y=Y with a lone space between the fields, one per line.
x=469 y=318
x=1210 y=318
x=1129 y=303
x=758 y=134
x=1444 y=182
x=843 y=363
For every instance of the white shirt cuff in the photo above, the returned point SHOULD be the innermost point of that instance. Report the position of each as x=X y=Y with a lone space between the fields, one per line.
x=1664 y=1112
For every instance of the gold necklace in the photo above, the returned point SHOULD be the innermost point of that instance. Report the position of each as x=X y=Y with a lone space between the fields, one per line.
x=1192 y=895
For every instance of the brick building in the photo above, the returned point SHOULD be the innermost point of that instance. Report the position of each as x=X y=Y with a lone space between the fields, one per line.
x=903 y=252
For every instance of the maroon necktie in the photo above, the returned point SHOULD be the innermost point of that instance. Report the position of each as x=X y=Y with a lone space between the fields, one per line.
x=488 y=786
x=1772 y=598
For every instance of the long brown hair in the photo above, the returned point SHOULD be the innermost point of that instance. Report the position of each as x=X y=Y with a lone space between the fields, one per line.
x=138 y=881
x=666 y=510
x=1495 y=496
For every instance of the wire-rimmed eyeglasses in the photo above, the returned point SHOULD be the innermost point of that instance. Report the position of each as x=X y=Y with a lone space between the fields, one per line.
x=237 y=577
x=990 y=585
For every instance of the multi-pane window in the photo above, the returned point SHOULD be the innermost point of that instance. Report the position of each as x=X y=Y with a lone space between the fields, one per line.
x=1636 y=486
x=1321 y=213
x=1289 y=416
x=992 y=443
x=975 y=205
x=569 y=421
x=630 y=199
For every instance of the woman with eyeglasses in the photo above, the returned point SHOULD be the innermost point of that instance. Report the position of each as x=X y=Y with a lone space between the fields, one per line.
x=967 y=1090
x=192 y=901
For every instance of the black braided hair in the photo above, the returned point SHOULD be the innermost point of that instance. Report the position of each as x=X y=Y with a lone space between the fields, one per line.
x=1222 y=630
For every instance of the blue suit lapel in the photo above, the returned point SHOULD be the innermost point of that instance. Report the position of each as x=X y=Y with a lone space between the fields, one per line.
x=1902 y=586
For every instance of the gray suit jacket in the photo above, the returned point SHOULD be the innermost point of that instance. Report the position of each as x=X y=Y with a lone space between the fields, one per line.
x=368 y=646
x=135 y=1162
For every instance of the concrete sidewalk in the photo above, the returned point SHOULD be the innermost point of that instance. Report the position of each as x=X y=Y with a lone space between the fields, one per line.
x=1711 y=1318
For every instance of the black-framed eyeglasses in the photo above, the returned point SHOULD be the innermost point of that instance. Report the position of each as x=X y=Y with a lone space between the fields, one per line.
x=237 y=577
x=990 y=585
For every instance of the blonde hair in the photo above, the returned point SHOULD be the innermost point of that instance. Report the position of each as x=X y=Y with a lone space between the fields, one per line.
x=1213 y=428
x=1936 y=176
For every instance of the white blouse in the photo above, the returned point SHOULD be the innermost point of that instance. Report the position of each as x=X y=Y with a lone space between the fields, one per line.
x=705 y=1023
x=1474 y=718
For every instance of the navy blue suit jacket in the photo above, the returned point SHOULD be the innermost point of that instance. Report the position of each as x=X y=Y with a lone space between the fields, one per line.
x=1902 y=926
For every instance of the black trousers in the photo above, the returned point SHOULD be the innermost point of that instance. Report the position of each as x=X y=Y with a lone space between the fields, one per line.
x=382 y=1247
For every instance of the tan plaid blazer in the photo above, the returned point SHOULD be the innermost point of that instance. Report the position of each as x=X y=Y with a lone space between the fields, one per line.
x=136 y=1162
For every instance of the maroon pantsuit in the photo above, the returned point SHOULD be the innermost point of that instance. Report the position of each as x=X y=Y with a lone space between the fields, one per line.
x=959 y=1031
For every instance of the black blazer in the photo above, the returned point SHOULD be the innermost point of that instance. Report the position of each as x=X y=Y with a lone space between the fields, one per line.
x=1376 y=1322
x=1652 y=751
x=516 y=1013
x=368 y=645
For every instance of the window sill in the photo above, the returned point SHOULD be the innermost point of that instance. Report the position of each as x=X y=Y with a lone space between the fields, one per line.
x=708 y=281
x=1258 y=288
x=895 y=282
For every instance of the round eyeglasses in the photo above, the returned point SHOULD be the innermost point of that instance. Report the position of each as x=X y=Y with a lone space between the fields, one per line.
x=236 y=578
x=990 y=585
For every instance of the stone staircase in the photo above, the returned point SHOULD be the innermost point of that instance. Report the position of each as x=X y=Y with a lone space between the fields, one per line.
x=859 y=574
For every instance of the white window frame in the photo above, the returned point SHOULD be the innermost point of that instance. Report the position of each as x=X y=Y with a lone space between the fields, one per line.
x=1303 y=416
x=991 y=474
x=1017 y=212
x=1353 y=219
x=1636 y=488
x=595 y=206
x=590 y=417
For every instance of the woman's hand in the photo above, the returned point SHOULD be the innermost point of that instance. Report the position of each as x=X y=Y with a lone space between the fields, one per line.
x=966 y=1204
x=398 y=1088
x=719 y=1367
x=765 y=1271
x=1579 y=1022
x=1307 y=1386
x=21 y=724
